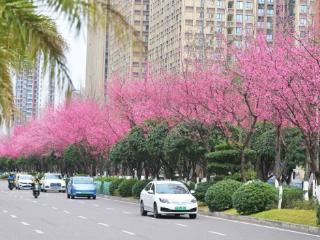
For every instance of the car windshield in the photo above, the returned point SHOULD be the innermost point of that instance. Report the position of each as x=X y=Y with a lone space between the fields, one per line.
x=53 y=177
x=26 y=177
x=83 y=181
x=171 y=188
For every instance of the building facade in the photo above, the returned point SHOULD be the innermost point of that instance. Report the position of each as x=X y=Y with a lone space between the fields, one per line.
x=186 y=30
x=27 y=94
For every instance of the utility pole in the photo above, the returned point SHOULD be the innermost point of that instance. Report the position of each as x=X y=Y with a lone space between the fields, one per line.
x=202 y=32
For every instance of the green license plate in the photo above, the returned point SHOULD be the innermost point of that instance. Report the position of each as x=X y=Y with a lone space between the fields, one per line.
x=180 y=208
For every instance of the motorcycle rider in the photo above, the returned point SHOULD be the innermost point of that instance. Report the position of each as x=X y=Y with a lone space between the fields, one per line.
x=35 y=182
x=11 y=177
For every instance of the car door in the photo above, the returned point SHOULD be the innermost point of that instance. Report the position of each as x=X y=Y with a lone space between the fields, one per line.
x=144 y=195
x=69 y=186
x=150 y=197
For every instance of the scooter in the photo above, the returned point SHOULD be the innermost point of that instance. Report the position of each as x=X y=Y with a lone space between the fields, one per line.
x=11 y=184
x=36 y=190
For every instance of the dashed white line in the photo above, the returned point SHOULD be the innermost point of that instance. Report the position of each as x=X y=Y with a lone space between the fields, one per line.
x=25 y=223
x=5 y=211
x=82 y=217
x=67 y=212
x=43 y=204
x=54 y=208
x=13 y=216
x=103 y=224
x=39 y=231
x=126 y=212
x=95 y=205
x=217 y=233
x=34 y=201
x=109 y=209
x=181 y=225
x=127 y=232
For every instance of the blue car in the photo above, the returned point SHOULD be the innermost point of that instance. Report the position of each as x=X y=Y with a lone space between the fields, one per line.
x=81 y=187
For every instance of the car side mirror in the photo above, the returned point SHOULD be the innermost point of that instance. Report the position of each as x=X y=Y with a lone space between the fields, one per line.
x=150 y=191
x=192 y=191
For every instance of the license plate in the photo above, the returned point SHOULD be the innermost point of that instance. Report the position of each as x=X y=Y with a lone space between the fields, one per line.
x=180 y=208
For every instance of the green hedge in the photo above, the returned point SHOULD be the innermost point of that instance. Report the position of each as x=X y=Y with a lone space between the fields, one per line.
x=201 y=191
x=138 y=187
x=254 y=197
x=125 y=187
x=318 y=215
x=291 y=196
x=219 y=195
x=114 y=185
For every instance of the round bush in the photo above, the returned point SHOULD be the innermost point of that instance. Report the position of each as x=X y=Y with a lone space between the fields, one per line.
x=125 y=187
x=219 y=195
x=201 y=190
x=291 y=196
x=254 y=197
x=138 y=187
x=114 y=185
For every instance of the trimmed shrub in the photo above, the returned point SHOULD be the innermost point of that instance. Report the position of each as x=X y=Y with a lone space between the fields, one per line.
x=291 y=196
x=125 y=187
x=318 y=215
x=305 y=205
x=114 y=185
x=254 y=197
x=138 y=187
x=201 y=190
x=219 y=195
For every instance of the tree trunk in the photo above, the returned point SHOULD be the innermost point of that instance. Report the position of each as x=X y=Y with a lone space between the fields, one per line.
x=243 y=166
x=279 y=165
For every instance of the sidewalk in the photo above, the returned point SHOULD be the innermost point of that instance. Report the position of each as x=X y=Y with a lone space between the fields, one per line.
x=258 y=221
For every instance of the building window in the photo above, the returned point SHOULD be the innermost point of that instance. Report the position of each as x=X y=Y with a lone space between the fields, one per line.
x=249 y=18
x=189 y=22
x=260 y=11
x=189 y=9
x=218 y=29
x=239 y=18
x=270 y=12
x=219 y=4
x=219 y=16
x=303 y=22
x=261 y=1
x=270 y=1
x=239 y=5
x=249 y=5
x=238 y=30
x=269 y=38
x=303 y=8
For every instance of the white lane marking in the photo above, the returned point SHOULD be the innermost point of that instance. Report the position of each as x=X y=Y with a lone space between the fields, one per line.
x=106 y=199
x=43 y=204
x=103 y=224
x=181 y=225
x=54 y=208
x=5 y=211
x=217 y=233
x=34 y=201
x=95 y=205
x=67 y=212
x=127 y=232
x=109 y=208
x=39 y=231
x=82 y=217
x=25 y=223
x=262 y=226
x=126 y=212
x=13 y=216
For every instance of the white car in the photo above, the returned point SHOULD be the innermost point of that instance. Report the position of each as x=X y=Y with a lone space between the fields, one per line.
x=24 y=181
x=167 y=198
x=53 y=181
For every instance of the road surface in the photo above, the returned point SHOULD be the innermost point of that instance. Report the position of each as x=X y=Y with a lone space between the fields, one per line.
x=52 y=216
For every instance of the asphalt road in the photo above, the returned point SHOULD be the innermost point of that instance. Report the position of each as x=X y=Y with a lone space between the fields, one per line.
x=53 y=216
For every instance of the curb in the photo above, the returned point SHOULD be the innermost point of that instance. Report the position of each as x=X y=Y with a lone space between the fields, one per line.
x=264 y=222
x=259 y=221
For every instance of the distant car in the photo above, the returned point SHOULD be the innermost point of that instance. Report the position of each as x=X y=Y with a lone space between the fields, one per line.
x=167 y=198
x=81 y=187
x=24 y=181
x=53 y=182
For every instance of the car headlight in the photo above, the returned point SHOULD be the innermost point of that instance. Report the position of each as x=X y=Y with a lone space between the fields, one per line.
x=194 y=200
x=164 y=200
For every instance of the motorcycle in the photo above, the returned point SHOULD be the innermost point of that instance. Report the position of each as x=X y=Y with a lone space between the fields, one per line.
x=36 y=190
x=11 y=184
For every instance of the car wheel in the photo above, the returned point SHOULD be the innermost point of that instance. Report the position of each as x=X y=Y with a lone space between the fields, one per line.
x=44 y=190
x=155 y=211
x=193 y=216
x=72 y=196
x=88 y=197
x=64 y=191
x=94 y=197
x=142 y=211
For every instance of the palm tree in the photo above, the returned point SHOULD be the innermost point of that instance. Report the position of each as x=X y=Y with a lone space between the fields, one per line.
x=26 y=34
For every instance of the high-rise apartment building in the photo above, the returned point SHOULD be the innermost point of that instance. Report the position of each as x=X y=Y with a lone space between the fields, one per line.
x=129 y=55
x=185 y=30
x=27 y=94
